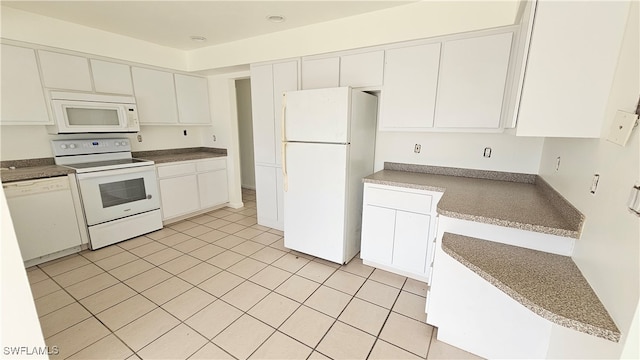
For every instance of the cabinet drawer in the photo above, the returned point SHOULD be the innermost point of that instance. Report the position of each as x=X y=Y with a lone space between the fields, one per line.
x=176 y=170
x=400 y=200
x=211 y=165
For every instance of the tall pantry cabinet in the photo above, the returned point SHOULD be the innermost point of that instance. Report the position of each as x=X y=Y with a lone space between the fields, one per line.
x=268 y=83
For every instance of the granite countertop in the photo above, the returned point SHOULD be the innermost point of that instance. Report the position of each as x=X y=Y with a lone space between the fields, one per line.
x=173 y=155
x=31 y=169
x=549 y=285
x=521 y=201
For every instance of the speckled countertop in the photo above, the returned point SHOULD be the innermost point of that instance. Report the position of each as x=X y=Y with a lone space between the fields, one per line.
x=173 y=155
x=549 y=285
x=521 y=201
x=31 y=169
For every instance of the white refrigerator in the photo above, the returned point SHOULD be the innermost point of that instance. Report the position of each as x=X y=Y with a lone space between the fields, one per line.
x=328 y=147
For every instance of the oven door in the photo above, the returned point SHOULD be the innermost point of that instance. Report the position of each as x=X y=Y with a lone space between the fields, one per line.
x=114 y=194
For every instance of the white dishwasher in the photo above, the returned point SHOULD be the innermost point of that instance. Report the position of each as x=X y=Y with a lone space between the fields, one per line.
x=44 y=216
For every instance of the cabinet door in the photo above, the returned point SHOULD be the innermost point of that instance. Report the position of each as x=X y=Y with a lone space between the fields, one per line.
x=193 y=99
x=155 y=96
x=408 y=98
x=378 y=226
x=285 y=78
x=266 y=195
x=411 y=241
x=262 y=113
x=321 y=73
x=179 y=196
x=361 y=70
x=62 y=71
x=22 y=97
x=472 y=81
x=111 y=78
x=213 y=188
x=571 y=64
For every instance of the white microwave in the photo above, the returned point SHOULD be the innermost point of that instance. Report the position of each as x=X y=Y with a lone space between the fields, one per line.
x=93 y=113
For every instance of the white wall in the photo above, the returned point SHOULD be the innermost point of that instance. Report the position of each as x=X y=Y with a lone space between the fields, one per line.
x=245 y=133
x=20 y=325
x=417 y=20
x=406 y=22
x=608 y=252
x=33 y=141
x=37 y=29
x=509 y=153
x=224 y=113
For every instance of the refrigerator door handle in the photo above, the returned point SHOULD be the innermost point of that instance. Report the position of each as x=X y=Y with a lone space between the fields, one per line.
x=283 y=117
x=285 y=177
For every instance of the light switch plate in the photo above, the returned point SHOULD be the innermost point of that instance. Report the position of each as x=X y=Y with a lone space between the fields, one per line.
x=622 y=126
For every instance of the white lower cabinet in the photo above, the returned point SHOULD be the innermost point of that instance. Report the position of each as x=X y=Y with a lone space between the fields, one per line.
x=398 y=228
x=187 y=187
x=270 y=196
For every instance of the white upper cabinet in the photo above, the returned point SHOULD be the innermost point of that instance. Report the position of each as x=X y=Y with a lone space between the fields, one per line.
x=321 y=73
x=111 y=78
x=572 y=58
x=264 y=141
x=362 y=70
x=23 y=100
x=155 y=96
x=62 y=71
x=472 y=81
x=193 y=99
x=268 y=83
x=409 y=91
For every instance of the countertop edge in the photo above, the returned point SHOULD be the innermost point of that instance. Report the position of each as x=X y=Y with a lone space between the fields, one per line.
x=535 y=308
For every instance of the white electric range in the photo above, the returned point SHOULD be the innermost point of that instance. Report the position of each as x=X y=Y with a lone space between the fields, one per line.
x=119 y=194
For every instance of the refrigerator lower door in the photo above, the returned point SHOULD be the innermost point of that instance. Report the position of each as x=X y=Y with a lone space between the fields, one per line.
x=315 y=199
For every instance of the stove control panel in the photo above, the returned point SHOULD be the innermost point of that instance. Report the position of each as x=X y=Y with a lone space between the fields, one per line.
x=89 y=146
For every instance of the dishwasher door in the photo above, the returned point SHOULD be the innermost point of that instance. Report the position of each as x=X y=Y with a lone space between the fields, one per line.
x=44 y=216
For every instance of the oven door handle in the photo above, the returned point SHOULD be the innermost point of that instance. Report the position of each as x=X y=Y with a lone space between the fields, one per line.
x=116 y=172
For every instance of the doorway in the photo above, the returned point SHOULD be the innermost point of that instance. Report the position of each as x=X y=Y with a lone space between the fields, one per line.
x=245 y=134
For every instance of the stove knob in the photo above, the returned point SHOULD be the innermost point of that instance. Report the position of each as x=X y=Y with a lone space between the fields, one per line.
x=63 y=146
x=72 y=146
x=117 y=143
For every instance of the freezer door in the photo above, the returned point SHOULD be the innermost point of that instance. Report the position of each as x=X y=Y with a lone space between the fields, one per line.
x=318 y=115
x=315 y=199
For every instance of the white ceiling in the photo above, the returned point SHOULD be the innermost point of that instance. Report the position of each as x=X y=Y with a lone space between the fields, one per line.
x=171 y=23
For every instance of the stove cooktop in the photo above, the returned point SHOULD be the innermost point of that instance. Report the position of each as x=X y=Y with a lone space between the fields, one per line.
x=108 y=164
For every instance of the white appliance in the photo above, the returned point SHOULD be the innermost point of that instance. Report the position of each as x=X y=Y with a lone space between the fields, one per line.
x=44 y=218
x=93 y=113
x=328 y=146
x=120 y=198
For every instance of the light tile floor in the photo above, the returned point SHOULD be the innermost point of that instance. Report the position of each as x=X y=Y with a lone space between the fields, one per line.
x=219 y=286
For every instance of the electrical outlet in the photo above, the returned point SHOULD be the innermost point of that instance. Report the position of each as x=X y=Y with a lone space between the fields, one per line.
x=487 y=152
x=417 y=148
x=558 y=163
x=139 y=138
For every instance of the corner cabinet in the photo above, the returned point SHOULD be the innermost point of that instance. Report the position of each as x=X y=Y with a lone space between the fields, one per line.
x=268 y=83
x=472 y=81
x=188 y=187
x=573 y=54
x=399 y=229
